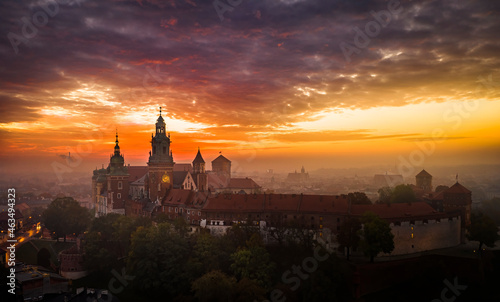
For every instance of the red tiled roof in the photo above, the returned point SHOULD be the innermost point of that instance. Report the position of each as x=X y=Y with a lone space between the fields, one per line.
x=22 y=206
x=276 y=202
x=220 y=158
x=396 y=210
x=438 y=196
x=183 y=167
x=5 y=215
x=424 y=173
x=457 y=188
x=136 y=172
x=216 y=181
x=184 y=197
x=242 y=183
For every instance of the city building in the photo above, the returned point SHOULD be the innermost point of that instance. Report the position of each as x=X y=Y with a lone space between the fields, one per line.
x=140 y=190
x=216 y=201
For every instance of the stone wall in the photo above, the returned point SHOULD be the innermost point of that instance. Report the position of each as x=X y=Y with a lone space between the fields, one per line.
x=425 y=235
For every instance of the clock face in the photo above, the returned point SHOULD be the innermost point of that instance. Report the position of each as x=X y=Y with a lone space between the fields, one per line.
x=165 y=178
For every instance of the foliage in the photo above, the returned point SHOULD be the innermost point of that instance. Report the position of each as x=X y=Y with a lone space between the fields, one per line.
x=348 y=236
x=492 y=207
x=384 y=195
x=441 y=188
x=156 y=259
x=206 y=255
x=358 y=198
x=403 y=194
x=377 y=236
x=482 y=229
x=104 y=225
x=97 y=257
x=253 y=262
x=65 y=216
x=214 y=286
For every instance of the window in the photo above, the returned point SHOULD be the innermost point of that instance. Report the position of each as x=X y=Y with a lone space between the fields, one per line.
x=199 y=213
x=120 y=185
x=176 y=210
x=119 y=195
x=188 y=211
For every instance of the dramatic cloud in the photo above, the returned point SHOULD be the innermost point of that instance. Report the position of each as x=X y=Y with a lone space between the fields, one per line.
x=265 y=67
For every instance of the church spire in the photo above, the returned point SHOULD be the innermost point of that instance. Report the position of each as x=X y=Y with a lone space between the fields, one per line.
x=117 y=148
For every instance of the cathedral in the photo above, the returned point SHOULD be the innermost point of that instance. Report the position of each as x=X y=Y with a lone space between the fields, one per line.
x=121 y=188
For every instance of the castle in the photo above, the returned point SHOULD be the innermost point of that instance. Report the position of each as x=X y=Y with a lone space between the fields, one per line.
x=214 y=200
x=124 y=189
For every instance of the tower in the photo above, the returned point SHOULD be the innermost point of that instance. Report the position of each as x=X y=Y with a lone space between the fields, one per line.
x=117 y=181
x=161 y=163
x=199 y=175
x=424 y=181
x=222 y=166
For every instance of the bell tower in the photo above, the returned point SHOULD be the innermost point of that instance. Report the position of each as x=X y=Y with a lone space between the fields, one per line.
x=199 y=174
x=161 y=163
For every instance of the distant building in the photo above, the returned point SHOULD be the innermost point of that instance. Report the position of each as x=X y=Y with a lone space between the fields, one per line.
x=424 y=181
x=295 y=177
x=222 y=167
x=242 y=186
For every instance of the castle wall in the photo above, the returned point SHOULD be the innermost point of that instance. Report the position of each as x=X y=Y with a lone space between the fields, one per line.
x=418 y=237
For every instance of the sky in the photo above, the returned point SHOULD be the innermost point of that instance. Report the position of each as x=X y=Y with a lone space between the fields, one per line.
x=270 y=84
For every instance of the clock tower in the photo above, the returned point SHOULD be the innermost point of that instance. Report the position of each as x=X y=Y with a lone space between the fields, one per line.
x=161 y=163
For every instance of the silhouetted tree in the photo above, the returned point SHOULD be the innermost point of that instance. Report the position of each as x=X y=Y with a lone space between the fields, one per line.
x=358 y=198
x=377 y=236
x=483 y=229
x=348 y=236
x=492 y=207
x=403 y=194
x=214 y=286
x=65 y=216
x=253 y=262
x=441 y=188
x=157 y=259
x=384 y=195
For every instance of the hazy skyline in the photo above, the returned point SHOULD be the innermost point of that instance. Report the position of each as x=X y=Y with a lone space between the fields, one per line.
x=275 y=84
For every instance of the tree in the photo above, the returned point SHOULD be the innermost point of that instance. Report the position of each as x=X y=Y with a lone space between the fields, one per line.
x=441 y=188
x=483 y=229
x=403 y=194
x=104 y=225
x=214 y=286
x=358 y=198
x=492 y=207
x=157 y=259
x=253 y=262
x=206 y=255
x=65 y=216
x=384 y=195
x=377 y=236
x=96 y=256
x=348 y=236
